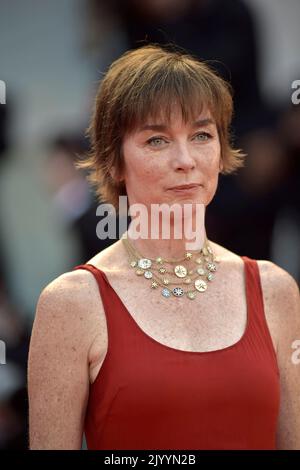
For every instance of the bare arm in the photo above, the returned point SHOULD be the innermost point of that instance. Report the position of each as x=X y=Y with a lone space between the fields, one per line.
x=281 y=293
x=58 y=375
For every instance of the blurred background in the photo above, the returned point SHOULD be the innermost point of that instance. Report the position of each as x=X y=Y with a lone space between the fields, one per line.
x=52 y=55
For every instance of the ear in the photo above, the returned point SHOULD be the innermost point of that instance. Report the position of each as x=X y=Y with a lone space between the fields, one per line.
x=221 y=165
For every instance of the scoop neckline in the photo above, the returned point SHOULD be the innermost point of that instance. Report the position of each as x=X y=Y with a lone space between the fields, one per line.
x=184 y=351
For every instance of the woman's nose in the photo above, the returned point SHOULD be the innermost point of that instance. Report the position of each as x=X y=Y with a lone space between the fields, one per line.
x=182 y=159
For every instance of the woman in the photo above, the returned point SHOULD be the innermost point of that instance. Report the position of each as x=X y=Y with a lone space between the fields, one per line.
x=184 y=348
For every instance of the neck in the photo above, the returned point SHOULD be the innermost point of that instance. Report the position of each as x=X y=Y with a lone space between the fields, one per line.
x=168 y=235
x=166 y=248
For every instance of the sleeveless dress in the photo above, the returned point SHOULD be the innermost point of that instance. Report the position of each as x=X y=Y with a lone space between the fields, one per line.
x=151 y=396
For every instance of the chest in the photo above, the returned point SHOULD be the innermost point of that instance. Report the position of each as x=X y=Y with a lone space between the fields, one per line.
x=215 y=319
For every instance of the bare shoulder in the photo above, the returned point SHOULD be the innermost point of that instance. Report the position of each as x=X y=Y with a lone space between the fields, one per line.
x=278 y=286
x=71 y=289
x=281 y=301
x=58 y=375
x=68 y=307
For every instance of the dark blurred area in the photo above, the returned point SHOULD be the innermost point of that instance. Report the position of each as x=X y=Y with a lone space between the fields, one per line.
x=48 y=211
x=14 y=334
x=222 y=33
x=13 y=393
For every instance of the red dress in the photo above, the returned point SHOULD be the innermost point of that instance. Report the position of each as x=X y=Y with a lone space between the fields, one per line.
x=151 y=396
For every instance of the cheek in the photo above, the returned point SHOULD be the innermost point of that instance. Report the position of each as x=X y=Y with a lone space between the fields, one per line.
x=154 y=170
x=150 y=168
x=211 y=159
x=144 y=173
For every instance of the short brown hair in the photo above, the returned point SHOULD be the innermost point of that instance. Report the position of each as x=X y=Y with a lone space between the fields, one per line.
x=144 y=83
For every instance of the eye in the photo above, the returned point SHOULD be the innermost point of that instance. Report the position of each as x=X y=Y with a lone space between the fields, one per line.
x=155 y=141
x=203 y=136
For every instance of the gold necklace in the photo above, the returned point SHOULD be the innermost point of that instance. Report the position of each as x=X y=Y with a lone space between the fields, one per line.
x=195 y=279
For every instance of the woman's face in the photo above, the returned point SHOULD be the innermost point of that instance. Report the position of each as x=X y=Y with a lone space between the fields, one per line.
x=158 y=158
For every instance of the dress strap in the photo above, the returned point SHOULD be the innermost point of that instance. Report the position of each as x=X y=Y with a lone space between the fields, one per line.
x=256 y=309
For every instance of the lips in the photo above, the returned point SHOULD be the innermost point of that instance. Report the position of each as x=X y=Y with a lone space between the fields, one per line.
x=186 y=186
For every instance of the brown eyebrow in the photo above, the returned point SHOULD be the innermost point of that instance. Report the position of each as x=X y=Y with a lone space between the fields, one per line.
x=164 y=127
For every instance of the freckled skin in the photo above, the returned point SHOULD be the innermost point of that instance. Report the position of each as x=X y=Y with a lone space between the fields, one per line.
x=69 y=339
x=156 y=160
x=182 y=156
